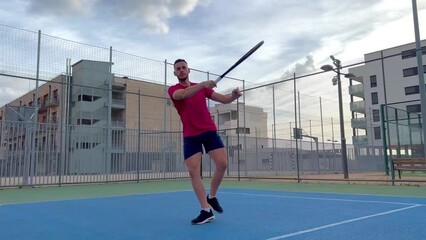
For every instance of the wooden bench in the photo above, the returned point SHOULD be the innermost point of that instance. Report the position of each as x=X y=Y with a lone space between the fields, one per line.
x=409 y=164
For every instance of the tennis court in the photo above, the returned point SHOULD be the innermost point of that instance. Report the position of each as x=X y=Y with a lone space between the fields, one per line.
x=253 y=210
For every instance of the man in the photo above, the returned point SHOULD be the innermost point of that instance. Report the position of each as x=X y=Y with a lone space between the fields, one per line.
x=200 y=130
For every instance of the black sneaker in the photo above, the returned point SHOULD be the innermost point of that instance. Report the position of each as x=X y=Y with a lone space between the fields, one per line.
x=204 y=217
x=214 y=203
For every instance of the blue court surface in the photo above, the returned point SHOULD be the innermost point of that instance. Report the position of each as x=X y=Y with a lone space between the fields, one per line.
x=249 y=214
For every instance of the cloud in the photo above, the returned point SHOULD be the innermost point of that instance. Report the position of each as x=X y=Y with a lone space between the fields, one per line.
x=11 y=89
x=153 y=15
x=301 y=68
x=58 y=8
x=284 y=100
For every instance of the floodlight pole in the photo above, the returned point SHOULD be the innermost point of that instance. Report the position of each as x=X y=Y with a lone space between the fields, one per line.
x=338 y=65
x=420 y=71
x=336 y=62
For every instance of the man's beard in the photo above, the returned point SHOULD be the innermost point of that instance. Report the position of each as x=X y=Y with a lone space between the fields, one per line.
x=182 y=79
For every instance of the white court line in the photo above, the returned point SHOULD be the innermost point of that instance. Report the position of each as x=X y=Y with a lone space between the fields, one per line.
x=323 y=199
x=340 y=223
x=410 y=205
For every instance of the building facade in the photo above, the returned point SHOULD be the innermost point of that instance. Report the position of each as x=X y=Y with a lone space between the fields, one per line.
x=388 y=77
x=94 y=122
x=95 y=116
x=247 y=121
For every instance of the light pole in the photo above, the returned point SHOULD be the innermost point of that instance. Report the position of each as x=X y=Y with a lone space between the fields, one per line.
x=338 y=65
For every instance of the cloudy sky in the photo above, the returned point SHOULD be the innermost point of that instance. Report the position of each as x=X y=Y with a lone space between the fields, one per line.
x=299 y=35
x=212 y=34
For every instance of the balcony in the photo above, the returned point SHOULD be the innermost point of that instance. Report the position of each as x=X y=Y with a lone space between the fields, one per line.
x=359 y=123
x=360 y=140
x=118 y=124
x=42 y=107
x=118 y=86
x=358 y=107
x=117 y=103
x=358 y=79
x=53 y=101
x=357 y=90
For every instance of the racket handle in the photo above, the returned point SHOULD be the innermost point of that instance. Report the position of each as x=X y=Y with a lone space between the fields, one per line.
x=218 y=79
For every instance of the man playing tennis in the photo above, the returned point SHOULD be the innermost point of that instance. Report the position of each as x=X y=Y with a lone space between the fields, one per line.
x=200 y=130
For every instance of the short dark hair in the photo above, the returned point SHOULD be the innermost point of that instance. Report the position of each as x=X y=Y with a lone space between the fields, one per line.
x=180 y=60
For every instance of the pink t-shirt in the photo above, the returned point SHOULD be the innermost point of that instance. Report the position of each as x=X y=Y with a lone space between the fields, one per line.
x=193 y=111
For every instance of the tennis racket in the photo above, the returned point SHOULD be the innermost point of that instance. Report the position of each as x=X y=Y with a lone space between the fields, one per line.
x=242 y=59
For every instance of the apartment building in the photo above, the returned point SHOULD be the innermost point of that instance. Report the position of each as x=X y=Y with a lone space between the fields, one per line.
x=388 y=77
x=92 y=112
x=252 y=123
x=98 y=123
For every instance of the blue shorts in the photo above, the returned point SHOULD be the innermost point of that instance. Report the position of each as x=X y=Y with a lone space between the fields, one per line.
x=194 y=144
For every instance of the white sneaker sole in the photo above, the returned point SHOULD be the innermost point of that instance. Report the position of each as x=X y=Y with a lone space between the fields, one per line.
x=210 y=219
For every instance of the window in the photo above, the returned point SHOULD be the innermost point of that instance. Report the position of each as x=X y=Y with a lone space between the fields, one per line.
x=224 y=117
x=408 y=53
x=54 y=117
x=377 y=134
x=242 y=130
x=85 y=145
x=374 y=98
x=266 y=161
x=85 y=98
x=235 y=147
x=234 y=115
x=376 y=115
x=412 y=53
x=412 y=90
x=412 y=71
x=84 y=121
x=55 y=95
x=118 y=95
x=373 y=81
x=409 y=72
x=45 y=100
x=413 y=108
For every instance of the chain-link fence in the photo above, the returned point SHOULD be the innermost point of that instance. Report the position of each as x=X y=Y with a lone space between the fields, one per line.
x=76 y=113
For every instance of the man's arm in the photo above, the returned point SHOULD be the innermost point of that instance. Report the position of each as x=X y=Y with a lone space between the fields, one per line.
x=226 y=98
x=192 y=90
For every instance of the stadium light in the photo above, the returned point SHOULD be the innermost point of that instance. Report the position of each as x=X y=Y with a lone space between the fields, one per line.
x=327 y=68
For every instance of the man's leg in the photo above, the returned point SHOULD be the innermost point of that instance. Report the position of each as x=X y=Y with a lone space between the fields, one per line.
x=206 y=214
x=193 y=164
x=220 y=159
